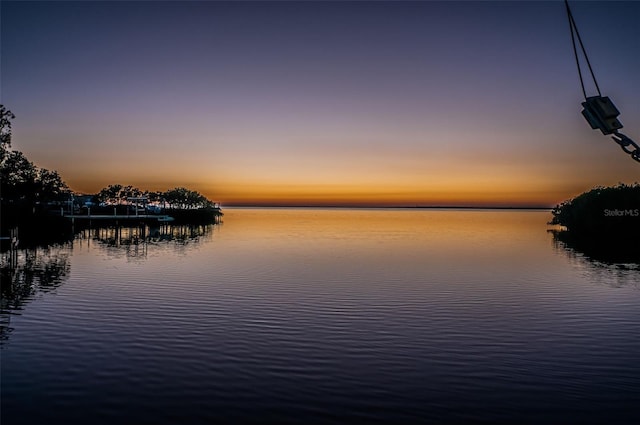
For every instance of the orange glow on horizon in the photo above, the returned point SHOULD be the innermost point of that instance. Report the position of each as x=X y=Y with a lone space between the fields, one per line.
x=495 y=189
x=369 y=109
x=320 y=175
x=433 y=194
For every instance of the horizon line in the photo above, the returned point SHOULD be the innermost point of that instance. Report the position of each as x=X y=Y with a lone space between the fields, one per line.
x=329 y=206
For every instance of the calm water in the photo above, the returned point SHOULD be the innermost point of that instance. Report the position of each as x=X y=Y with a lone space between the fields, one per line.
x=323 y=316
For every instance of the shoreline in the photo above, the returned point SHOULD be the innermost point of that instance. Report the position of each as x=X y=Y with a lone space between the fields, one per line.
x=351 y=207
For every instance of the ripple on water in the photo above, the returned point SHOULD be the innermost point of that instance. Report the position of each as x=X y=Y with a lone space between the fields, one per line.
x=329 y=317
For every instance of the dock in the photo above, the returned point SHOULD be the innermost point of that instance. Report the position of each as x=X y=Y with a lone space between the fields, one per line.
x=119 y=217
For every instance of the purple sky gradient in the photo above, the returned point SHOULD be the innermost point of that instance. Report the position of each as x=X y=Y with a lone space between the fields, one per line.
x=390 y=103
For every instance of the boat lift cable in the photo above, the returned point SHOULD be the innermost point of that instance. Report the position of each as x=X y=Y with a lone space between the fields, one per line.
x=599 y=111
x=576 y=34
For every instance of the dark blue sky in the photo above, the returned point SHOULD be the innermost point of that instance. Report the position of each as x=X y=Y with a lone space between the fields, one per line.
x=404 y=101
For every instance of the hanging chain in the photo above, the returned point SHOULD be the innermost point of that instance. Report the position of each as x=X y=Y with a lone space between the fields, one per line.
x=627 y=145
x=596 y=116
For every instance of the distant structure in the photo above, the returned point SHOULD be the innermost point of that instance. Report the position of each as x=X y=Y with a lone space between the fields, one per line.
x=136 y=201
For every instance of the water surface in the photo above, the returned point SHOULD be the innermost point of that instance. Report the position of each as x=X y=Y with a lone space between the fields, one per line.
x=323 y=316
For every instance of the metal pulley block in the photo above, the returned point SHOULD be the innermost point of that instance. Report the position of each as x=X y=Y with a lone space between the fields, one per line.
x=601 y=114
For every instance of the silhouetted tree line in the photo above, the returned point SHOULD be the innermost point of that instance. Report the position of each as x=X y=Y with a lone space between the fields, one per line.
x=602 y=211
x=22 y=182
x=27 y=190
x=179 y=197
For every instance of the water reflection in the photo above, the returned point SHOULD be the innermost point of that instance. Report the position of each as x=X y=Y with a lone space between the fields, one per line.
x=41 y=269
x=610 y=260
x=36 y=270
x=134 y=242
x=290 y=316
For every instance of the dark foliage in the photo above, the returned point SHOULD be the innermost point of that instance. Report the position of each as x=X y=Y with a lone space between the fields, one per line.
x=176 y=198
x=602 y=211
x=22 y=183
x=31 y=196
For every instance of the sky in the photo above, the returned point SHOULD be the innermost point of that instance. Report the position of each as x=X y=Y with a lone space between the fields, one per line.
x=360 y=103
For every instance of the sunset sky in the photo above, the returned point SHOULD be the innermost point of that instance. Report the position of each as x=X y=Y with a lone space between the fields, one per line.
x=322 y=103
